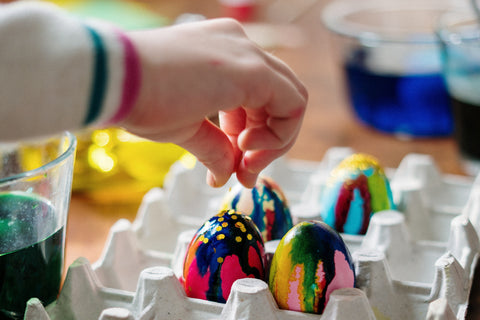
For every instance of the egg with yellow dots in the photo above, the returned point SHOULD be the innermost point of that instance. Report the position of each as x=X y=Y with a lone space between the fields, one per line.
x=356 y=189
x=226 y=248
x=265 y=203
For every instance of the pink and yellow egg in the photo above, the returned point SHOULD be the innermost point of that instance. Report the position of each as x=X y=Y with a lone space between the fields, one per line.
x=311 y=261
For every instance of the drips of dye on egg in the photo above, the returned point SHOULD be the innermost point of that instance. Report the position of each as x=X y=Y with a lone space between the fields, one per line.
x=357 y=188
x=311 y=261
x=266 y=204
x=226 y=248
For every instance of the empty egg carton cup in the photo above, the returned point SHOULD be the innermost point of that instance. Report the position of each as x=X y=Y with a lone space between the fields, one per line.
x=406 y=268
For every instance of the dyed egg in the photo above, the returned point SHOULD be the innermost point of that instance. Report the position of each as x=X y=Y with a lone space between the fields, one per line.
x=311 y=261
x=266 y=204
x=226 y=248
x=357 y=188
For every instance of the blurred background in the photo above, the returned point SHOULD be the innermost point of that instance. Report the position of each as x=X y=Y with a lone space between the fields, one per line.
x=348 y=54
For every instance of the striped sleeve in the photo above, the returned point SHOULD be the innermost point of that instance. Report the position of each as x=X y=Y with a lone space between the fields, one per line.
x=59 y=73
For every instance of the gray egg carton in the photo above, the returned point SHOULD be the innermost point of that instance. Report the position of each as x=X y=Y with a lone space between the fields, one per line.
x=406 y=268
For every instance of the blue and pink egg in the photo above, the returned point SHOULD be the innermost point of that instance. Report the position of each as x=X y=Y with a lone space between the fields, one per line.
x=356 y=189
x=226 y=248
x=266 y=204
x=311 y=261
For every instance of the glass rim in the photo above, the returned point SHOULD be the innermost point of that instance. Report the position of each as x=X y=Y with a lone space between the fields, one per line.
x=458 y=27
x=335 y=17
x=72 y=143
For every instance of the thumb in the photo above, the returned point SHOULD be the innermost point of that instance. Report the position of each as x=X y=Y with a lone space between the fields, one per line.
x=212 y=147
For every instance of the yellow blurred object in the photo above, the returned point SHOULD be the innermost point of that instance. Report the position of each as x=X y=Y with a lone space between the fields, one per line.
x=62 y=2
x=113 y=165
x=32 y=154
x=128 y=15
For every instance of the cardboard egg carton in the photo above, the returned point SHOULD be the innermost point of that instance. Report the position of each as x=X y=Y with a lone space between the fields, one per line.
x=406 y=268
x=396 y=279
x=388 y=263
x=159 y=295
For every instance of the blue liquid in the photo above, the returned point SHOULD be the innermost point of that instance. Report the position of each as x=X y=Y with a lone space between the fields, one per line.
x=416 y=105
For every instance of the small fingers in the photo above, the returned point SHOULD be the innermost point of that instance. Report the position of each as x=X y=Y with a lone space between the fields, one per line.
x=265 y=129
x=275 y=133
x=212 y=147
x=274 y=114
x=233 y=121
x=253 y=162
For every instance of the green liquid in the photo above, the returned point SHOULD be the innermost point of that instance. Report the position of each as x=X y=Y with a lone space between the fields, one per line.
x=31 y=253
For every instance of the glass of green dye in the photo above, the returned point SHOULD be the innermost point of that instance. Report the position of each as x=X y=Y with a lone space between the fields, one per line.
x=35 y=188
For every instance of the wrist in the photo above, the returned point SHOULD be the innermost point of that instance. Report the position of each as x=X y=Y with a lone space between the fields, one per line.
x=131 y=80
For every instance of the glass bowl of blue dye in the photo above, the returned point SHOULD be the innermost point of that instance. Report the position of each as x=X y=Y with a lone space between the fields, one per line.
x=391 y=62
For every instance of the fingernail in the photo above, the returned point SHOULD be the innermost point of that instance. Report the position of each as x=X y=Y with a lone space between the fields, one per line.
x=252 y=183
x=211 y=180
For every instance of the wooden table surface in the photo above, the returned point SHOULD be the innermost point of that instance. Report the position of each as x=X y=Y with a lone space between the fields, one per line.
x=328 y=123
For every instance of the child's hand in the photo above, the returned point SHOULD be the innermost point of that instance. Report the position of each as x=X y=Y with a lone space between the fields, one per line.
x=196 y=70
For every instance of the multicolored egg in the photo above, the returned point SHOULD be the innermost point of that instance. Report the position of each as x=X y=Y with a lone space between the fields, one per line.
x=226 y=248
x=266 y=204
x=311 y=261
x=357 y=188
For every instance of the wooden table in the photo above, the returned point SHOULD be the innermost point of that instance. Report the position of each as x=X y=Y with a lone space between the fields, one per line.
x=328 y=123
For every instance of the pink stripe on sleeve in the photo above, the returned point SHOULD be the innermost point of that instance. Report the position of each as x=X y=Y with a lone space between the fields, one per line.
x=131 y=80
